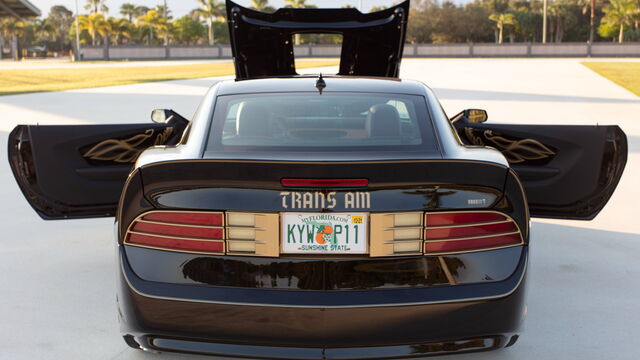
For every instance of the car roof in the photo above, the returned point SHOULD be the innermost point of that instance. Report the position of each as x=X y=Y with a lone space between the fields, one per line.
x=307 y=83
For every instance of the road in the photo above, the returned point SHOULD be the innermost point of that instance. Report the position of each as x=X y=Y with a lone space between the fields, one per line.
x=58 y=283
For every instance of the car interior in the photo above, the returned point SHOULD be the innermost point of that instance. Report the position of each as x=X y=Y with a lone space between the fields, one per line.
x=299 y=121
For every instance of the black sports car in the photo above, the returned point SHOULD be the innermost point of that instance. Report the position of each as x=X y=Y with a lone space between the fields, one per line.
x=315 y=217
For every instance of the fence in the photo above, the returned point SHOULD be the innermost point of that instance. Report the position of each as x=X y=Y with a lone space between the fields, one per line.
x=140 y=52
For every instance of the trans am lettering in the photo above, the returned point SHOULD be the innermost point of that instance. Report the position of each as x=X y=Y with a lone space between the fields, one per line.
x=320 y=200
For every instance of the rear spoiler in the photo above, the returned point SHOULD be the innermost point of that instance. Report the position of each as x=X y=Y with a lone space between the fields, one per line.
x=262 y=45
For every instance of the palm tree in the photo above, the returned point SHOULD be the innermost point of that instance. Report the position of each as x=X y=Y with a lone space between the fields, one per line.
x=94 y=24
x=298 y=4
x=11 y=28
x=210 y=10
x=43 y=29
x=620 y=13
x=129 y=11
x=116 y=29
x=501 y=20
x=589 y=6
x=96 y=6
x=164 y=30
x=155 y=22
x=260 y=5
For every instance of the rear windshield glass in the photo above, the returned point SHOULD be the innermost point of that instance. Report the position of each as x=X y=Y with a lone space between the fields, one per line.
x=327 y=122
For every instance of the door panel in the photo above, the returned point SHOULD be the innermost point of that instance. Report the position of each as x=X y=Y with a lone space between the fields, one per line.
x=568 y=171
x=71 y=171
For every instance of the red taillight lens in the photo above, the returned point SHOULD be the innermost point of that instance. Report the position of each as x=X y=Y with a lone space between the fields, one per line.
x=458 y=218
x=472 y=244
x=189 y=218
x=179 y=230
x=325 y=183
x=176 y=243
x=469 y=231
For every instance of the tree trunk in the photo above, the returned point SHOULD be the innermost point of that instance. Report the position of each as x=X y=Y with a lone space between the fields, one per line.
x=93 y=38
x=500 y=35
x=592 y=21
x=15 y=53
x=210 y=31
x=559 y=30
x=621 y=35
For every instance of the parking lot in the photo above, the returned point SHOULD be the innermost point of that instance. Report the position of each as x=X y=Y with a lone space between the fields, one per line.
x=58 y=277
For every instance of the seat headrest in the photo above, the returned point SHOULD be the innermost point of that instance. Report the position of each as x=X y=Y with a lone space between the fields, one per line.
x=253 y=119
x=383 y=120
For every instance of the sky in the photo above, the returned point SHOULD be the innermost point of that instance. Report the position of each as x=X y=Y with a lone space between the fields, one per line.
x=182 y=7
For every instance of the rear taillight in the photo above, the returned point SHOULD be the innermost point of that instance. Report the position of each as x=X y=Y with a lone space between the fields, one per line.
x=400 y=234
x=258 y=234
x=233 y=233
x=179 y=231
x=462 y=231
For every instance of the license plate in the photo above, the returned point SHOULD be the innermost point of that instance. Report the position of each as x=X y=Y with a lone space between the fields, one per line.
x=324 y=233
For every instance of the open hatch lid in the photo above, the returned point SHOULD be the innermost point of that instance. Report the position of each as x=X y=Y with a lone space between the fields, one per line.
x=262 y=45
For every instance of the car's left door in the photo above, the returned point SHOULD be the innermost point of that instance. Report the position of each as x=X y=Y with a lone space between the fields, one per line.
x=74 y=171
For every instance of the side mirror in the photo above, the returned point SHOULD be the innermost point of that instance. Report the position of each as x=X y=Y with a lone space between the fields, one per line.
x=161 y=116
x=476 y=115
x=471 y=115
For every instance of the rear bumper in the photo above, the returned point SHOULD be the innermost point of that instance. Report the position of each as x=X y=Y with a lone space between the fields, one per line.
x=369 y=352
x=264 y=323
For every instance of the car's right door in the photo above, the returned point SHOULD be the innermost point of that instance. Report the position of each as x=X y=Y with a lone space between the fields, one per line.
x=568 y=171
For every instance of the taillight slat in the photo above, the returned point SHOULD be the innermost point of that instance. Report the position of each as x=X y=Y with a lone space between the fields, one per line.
x=192 y=218
x=457 y=218
x=484 y=243
x=470 y=230
x=179 y=230
x=170 y=243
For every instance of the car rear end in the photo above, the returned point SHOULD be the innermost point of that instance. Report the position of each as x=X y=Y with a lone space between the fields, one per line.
x=330 y=232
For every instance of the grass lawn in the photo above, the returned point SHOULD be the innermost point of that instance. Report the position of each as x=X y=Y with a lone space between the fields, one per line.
x=625 y=74
x=16 y=81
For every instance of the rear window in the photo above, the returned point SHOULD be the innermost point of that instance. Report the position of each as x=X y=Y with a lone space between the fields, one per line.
x=327 y=122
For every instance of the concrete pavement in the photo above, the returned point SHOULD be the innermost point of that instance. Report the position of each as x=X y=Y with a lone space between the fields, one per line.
x=58 y=284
